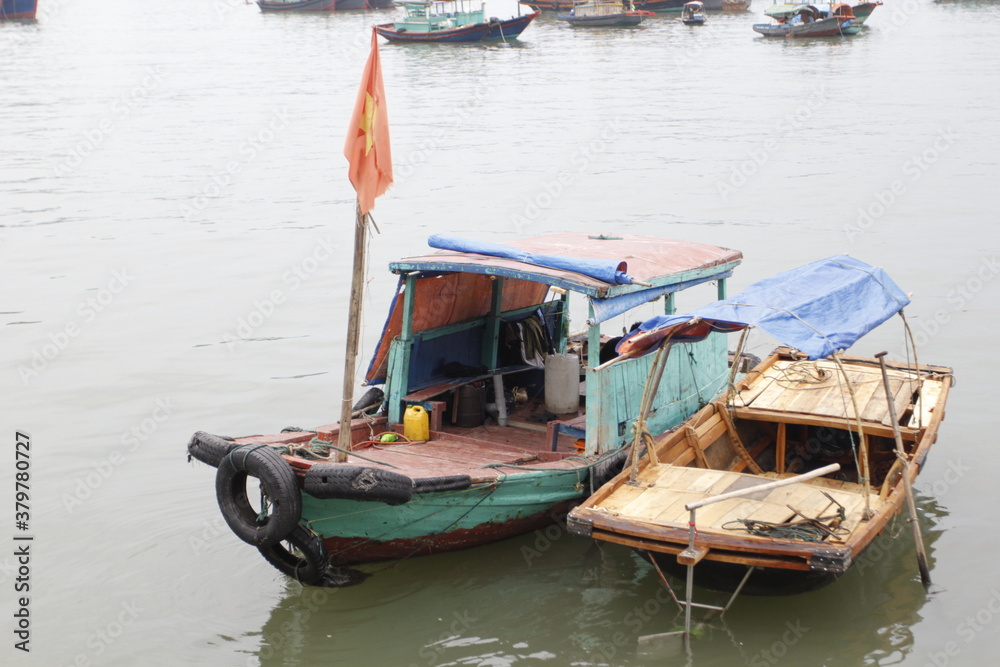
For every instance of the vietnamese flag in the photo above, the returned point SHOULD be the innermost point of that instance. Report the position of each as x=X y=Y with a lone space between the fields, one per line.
x=367 y=146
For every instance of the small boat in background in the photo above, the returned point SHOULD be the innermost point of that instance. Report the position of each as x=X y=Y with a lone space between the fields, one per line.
x=565 y=6
x=297 y=5
x=807 y=21
x=693 y=13
x=451 y=21
x=863 y=10
x=18 y=9
x=604 y=13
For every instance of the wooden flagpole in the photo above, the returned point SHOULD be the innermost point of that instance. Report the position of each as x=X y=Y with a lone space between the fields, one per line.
x=353 y=332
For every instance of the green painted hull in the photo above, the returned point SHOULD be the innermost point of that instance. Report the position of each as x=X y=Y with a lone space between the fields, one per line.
x=360 y=532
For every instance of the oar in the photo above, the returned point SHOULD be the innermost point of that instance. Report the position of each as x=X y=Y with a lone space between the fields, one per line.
x=925 y=574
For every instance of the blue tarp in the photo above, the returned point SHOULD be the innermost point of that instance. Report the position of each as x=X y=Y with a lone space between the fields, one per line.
x=607 y=271
x=819 y=308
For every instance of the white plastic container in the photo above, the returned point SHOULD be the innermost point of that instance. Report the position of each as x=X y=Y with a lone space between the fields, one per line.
x=562 y=383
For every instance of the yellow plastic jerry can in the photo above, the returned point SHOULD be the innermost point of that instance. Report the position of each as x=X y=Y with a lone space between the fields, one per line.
x=416 y=424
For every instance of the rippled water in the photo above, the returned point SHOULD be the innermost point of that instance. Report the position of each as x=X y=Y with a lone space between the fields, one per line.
x=175 y=250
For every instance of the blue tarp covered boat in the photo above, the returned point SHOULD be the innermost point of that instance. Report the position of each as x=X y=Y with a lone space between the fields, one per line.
x=780 y=484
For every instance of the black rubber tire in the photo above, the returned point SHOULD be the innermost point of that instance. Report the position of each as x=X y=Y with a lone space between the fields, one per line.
x=325 y=480
x=371 y=401
x=209 y=448
x=604 y=471
x=280 y=487
x=300 y=555
x=435 y=484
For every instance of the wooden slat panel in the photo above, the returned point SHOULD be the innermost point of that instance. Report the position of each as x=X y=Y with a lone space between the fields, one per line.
x=706 y=517
x=649 y=503
x=673 y=512
x=772 y=389
x=876 y=408
x=661 y=475
x=621 y=496
x=702 y=481
x=930 y=393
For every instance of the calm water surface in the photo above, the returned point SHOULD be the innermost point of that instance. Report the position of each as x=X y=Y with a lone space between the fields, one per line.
x=175 y=251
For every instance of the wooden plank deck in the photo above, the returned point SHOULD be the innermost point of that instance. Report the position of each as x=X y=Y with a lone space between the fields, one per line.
x=818 y=388
x=665 y=489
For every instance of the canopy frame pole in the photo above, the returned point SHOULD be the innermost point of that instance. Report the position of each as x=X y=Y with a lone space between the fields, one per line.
x=925 y=574
x=863 y=464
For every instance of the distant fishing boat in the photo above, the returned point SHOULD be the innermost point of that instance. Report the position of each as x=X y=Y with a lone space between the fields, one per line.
x=18 y=9
x=604 y=13
x=693 y=13
x=807 y=21
x=297 y=5
x=863 y=10
x=493 y=421
x=449 y=21
x=364 y=4
x=564 y=6
x=779 y=485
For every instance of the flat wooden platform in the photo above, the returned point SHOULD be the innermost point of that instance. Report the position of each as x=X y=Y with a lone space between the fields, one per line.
x=664 y=490
x=818 y=388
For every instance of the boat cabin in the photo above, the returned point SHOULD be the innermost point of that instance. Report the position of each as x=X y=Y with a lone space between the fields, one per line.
x=431 y=15
x=465 y=326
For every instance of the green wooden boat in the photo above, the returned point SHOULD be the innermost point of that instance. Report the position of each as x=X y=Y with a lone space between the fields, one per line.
x=492 y=419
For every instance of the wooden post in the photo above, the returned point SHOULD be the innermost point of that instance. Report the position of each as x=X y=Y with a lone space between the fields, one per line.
x=353 y=333
x=925 y=574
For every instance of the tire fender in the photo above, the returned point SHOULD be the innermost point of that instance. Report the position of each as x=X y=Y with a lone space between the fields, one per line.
x=300 y=555
x=279 y=485
x=347 y=482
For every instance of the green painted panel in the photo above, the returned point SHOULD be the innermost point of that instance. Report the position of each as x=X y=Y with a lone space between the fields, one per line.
x=513 y=497
x=694 y=374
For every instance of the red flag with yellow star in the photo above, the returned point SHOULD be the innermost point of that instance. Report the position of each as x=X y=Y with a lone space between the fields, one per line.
x=367 y=146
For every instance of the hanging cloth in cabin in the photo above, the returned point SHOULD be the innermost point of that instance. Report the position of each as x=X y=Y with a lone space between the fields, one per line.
x=819 y=308
x=608 y=271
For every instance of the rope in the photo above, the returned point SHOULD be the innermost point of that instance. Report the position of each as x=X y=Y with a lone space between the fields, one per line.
x=320 y=449
x=811 y=530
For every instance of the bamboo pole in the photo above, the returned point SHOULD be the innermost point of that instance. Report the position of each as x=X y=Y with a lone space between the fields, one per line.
x=353 y=333
x=925 y=574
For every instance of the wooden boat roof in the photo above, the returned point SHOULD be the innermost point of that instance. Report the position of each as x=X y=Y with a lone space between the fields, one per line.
x=656 y=261
x=801 y=391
